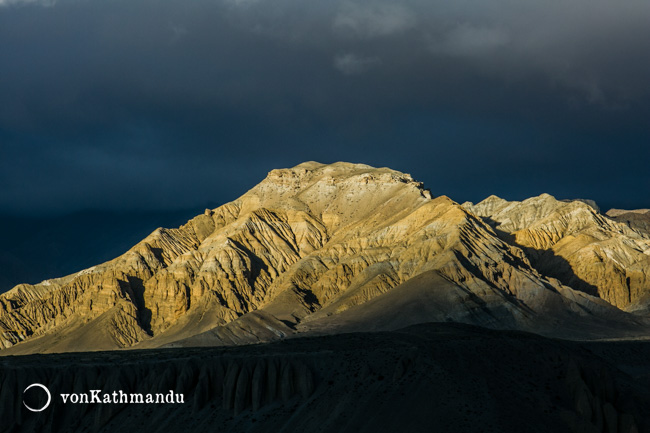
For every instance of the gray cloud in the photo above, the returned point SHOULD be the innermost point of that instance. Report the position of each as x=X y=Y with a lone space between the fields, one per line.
x=373 y=19
x=129 y=104
x=352 y=64
x=469 y=41
x=27 y=2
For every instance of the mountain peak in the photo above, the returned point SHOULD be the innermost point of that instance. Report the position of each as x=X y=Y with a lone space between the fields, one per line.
x=311 y=171
x=340 y=188
x=322 y=248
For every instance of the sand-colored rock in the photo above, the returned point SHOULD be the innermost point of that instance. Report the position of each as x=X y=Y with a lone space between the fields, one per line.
x=573 y=242
x=618 y=212
x=317 y=247
x=638 y=219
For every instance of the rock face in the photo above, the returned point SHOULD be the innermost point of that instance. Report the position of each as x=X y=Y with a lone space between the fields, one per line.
x=325 y=248
x=574 y=243
x=638 y=219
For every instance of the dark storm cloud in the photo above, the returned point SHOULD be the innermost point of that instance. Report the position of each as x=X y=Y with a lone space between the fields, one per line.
x=166 y=104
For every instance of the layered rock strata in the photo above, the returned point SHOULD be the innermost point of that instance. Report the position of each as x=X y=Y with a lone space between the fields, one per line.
x=324 y=248
x=573 y=242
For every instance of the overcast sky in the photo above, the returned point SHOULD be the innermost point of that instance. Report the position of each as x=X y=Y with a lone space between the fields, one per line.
x=143 y=104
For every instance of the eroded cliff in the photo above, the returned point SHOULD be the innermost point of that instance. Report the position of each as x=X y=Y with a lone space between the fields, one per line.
x=322 y=248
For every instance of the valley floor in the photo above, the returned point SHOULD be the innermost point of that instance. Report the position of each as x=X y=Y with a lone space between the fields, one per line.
x=430 y=377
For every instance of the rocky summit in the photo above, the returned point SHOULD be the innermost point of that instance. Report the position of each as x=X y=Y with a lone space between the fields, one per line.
x=320 y=249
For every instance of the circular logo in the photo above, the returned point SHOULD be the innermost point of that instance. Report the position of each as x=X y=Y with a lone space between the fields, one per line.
x=47 y=391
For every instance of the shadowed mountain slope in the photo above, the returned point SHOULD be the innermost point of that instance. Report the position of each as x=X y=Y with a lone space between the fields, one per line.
x=573 y=242
x=638 y=219
x=330 y=248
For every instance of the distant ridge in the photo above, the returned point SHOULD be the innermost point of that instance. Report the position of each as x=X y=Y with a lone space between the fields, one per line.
x=618 y=212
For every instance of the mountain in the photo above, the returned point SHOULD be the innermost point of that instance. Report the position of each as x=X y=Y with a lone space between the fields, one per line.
x=573 y=242
x=638 y=219
x=321 y=249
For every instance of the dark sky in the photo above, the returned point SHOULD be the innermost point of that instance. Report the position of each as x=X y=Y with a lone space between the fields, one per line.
x=131 y=105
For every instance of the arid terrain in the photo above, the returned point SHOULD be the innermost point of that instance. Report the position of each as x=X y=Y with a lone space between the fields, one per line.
x=321 y=249
x=410 y=310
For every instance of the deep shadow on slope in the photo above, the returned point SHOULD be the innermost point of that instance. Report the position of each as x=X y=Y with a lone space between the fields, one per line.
x=547 y=262
x=135 y=287
x=432 y=377
x=636 y=221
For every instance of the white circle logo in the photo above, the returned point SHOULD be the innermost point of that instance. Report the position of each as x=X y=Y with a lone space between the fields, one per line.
x=47 y=391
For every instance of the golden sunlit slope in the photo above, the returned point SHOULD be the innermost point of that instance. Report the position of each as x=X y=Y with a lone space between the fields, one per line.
x=314 y=249
x=573 y=242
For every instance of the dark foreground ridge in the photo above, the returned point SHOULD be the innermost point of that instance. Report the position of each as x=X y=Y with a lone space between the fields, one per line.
x=430 y=377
